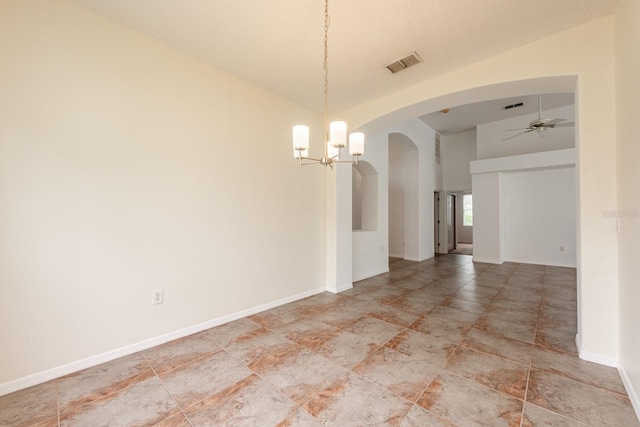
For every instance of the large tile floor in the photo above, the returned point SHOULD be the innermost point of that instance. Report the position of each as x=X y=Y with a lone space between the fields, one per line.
x=444 y=342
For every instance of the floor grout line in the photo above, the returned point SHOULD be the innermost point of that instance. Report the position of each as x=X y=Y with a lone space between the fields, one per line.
x=419 y=280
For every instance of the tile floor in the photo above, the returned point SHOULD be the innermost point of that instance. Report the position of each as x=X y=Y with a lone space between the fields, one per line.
x=444 y=342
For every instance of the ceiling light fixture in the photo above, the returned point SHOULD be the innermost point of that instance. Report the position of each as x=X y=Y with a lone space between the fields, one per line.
x=335 y=134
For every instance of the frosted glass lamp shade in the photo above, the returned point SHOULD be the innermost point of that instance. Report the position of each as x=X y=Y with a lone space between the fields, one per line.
x=300 y=138
x=338 y=134
x=356 y=143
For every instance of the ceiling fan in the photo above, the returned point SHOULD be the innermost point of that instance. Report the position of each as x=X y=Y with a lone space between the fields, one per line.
x=541 y=125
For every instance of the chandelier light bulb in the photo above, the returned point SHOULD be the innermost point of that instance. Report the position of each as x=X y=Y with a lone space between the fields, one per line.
x=338 y=134
x=356 y=143
x=301 y=138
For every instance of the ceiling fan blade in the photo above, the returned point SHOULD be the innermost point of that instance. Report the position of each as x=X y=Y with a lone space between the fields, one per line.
x=511 y=130
x=554 y=122
x=564 y=125
x=513 y=136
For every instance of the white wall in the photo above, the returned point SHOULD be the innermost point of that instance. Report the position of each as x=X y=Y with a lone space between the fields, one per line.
x=430 y=175
x=404 y=197
x=356 y=193
x=370 y=249
x=411 y=186
x=501 y=213
x=418 y=211
x=365 y=190
x=401 y=218
x=339 y=230
x=539 y=216
x=370 y=252
x=396 y=201
x=628 y=152
x=490 y=136
x=458 y=150
x=127 y=166
x=437 y=169
x=487 y=218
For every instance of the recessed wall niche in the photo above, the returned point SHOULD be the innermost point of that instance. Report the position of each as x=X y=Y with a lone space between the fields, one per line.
x=365 y=197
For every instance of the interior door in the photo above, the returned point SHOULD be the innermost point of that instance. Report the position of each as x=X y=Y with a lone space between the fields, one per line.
x=451 y=221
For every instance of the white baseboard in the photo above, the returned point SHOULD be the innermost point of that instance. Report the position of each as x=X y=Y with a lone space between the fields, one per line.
x=410 y=258
x=371 y=274
x=595 y=357
x=396 y=255
x=340 y=288
x=550 y=263
x=633 y=396
x=485 y=260
x=59 y=371
x=615 y=363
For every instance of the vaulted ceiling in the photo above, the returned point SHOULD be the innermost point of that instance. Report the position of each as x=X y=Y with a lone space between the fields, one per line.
x=277 y=44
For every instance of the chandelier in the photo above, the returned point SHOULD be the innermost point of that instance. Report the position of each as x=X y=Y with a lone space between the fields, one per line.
x=335 y=134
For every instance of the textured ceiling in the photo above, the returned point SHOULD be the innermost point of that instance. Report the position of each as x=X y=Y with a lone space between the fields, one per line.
x=277 y=44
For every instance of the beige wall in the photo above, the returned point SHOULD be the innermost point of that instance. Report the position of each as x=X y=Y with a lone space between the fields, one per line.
x=628 y=133
x=583 y=54
x=126 y=166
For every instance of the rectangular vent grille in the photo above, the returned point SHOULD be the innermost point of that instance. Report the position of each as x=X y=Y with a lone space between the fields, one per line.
x=438 y=149
x=406 y=62
x=509 y=107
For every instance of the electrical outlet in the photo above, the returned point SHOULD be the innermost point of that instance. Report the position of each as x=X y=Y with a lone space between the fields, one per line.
x=157 y=296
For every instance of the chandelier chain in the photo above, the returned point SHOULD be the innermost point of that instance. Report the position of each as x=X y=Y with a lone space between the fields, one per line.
x=326 y=75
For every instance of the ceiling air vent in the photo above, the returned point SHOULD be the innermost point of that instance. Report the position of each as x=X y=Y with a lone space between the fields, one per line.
x=509 y=107
x=406 y=62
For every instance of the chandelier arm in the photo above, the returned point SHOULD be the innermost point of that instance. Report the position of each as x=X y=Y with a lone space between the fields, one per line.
x=313 y=159
x=310 y=162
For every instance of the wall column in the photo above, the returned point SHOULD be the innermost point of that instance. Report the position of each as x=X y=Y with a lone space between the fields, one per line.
x=339 y=240
x=487 y=221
